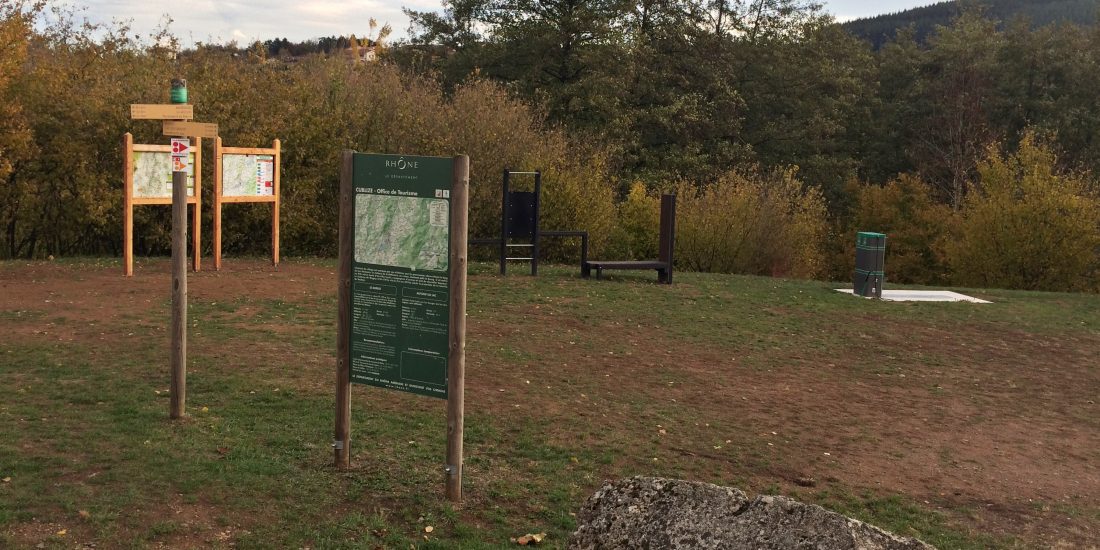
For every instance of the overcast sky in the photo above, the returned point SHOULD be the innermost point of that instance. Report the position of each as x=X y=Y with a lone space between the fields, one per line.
x=225 y=20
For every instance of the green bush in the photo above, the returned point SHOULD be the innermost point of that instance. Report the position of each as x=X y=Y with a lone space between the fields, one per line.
x=637 y=230
x=915 y=227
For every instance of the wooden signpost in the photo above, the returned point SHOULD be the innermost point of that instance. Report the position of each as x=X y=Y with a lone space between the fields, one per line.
x=402 y=288
x=178 y=359
x=246 y=174
x=145 y=168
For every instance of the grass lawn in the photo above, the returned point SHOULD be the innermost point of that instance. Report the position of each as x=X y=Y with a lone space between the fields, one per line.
x=970 y=426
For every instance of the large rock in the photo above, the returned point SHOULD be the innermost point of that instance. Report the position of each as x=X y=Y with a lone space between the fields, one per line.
x=655 y=513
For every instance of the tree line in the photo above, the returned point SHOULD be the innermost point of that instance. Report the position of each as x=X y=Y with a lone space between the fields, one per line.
x=782 y=133
x=923 y=20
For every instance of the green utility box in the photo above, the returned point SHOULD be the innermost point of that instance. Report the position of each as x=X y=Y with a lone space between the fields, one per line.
x=870 y=260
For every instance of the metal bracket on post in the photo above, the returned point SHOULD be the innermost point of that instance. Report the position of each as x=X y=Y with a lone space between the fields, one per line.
x=338 y=445
x=450 y=469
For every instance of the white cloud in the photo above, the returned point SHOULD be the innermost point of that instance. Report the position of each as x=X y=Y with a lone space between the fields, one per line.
x=220 y=21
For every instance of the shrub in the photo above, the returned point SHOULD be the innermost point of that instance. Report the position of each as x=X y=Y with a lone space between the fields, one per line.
x=915 y=227
x=1026 y=225
x=637 y=232
x=63 y=201
x=752 y=222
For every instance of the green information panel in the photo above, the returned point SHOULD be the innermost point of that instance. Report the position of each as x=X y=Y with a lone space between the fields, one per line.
x=400 y=282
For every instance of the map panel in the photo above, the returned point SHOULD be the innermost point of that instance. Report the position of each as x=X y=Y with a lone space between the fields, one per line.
x=409 y=232
x=153 y=175
x=400 y=277
x=248 y=175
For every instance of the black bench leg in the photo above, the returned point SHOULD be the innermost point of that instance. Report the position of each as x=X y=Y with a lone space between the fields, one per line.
x=599 y=273
x=585 y=271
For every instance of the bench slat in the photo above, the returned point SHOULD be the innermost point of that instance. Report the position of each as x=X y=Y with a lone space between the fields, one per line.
x=626 y=265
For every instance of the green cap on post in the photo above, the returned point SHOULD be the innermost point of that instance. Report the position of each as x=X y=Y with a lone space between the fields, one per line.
x=179 y=90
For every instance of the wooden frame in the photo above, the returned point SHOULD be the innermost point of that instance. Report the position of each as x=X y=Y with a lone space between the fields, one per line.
x=129 y=200
x=220 y=199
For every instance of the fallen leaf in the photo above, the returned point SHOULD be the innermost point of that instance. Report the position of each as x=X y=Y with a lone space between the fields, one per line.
x=530 y=539
x=223 y=450
x=429 y=529
x=6 y=479
x=380 y=533
x=62 y=532
x=84 y=514
x=205 y=409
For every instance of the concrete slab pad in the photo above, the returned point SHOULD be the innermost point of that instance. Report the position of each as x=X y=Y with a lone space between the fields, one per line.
x=923 y=296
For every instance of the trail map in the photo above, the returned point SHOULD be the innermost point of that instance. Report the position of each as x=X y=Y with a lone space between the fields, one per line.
x=248 y=175
x=153 y=175
x=409 y=232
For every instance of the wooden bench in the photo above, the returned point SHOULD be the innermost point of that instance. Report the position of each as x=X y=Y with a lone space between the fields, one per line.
x=667 y=243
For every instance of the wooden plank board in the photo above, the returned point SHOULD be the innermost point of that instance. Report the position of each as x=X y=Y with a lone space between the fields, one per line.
x=263 y=198
x=190 y=129
x=162 y=112
x=141 y=201
x=248 y=151
x=150 y=148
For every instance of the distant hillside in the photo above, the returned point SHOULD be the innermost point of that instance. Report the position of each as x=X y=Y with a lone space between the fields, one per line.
x=881 y=28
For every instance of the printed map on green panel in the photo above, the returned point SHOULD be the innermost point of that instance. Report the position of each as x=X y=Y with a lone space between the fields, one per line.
x=409 y=232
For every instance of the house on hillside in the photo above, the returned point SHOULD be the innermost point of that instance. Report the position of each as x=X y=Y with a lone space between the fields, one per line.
x=362 y=54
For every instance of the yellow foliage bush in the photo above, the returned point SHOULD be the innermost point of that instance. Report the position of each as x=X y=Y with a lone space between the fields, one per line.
x=1025 y=225
x=66 y=199
x=752 y=222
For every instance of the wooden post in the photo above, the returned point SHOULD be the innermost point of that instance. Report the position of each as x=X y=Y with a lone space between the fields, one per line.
x=275 y=216
x=456 y=363
x=196 y=217
x=342 y=437
x=128 y=205
x=535 y=234
x=178 y=361
x=217 y=203
x=503 y=223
